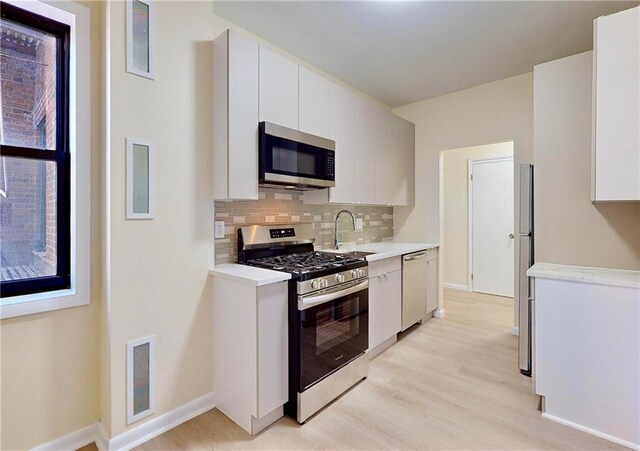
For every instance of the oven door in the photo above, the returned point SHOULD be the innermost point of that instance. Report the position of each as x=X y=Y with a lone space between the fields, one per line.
x=333 y=330
x=290 y=157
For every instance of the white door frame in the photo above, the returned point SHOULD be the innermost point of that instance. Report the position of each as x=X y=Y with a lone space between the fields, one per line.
x=470 y=211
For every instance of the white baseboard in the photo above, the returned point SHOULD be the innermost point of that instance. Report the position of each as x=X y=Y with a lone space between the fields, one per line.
x=161 y=424
x=438 y=313
x=74 y=440
x=135 y=436
x=515 y=330
x=456 y=286
x=588 y=430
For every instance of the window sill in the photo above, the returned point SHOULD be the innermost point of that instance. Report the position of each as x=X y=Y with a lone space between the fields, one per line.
x=41 y=302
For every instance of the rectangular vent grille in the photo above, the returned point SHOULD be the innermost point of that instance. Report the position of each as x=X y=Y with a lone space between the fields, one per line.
x=140 y=378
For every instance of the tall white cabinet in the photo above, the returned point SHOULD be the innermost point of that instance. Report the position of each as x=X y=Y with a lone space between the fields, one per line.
x=314 y=103
x=278 y=92
x=235 y=122
x=341 y=125
x=616 y=103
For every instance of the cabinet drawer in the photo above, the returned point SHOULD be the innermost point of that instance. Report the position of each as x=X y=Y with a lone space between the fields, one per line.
x=384 y=266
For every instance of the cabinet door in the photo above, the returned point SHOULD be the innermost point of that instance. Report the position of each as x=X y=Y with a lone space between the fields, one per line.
x=273 y=346
x=243 y=118
x=342 y=103
x=314 y=103
x=278 y=89
x=432 y=285
x=367 y=126
x=376 y=312
x=392 y=304
x=617 y=107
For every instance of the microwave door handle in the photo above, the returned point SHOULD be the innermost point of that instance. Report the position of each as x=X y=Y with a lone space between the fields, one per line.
x=310 y=301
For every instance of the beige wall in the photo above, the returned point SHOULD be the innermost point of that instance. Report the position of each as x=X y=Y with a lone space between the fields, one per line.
x=569 y=228
x=494 y=112
x=455 y=250
x=49 y=361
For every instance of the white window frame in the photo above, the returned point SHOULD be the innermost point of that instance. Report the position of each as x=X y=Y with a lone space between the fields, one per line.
x=79 y=20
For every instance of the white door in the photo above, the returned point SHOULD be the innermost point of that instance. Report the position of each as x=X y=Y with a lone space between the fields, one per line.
x=492 y=226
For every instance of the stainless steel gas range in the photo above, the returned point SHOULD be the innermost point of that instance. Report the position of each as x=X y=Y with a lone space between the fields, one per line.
x=328 y=313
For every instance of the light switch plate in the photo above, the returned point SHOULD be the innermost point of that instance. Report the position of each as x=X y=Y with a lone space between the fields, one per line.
x=359 y=224
x=219 y=229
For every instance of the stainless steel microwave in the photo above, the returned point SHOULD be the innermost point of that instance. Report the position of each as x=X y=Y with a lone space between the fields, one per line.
x=293 y=158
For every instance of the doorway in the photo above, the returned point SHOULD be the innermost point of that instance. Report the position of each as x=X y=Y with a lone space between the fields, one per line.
x=491 y=226
x=456 y=222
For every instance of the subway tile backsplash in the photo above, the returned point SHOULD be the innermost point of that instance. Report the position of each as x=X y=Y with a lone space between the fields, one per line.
x=281 y=206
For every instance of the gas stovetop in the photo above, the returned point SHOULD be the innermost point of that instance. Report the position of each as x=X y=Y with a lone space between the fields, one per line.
x=306 y=262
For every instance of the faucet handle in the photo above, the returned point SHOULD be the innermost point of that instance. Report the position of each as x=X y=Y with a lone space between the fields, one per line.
x=338 y=244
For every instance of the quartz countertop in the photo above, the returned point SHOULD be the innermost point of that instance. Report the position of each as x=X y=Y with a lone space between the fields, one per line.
x=388 y=249
x=260 y=276
x=586 y=274
x=249 y=274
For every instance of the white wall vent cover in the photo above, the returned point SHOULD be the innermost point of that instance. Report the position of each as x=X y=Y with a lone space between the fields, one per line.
x=140 y=378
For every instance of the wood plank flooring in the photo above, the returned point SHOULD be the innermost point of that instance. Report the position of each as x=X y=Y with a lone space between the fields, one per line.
x=451 y=383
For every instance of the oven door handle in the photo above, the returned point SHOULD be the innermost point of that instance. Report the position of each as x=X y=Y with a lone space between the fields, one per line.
x=309 y=301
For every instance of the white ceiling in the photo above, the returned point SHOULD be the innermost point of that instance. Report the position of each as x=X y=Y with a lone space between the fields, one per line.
x=405 y=51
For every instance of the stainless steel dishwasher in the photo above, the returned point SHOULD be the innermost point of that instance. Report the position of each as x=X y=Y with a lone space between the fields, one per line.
x=414 y=288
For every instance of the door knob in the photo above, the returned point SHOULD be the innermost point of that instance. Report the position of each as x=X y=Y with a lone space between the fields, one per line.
x=511 y=235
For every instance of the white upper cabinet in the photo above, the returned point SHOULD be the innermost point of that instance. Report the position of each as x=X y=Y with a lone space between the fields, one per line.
x=368 y=132
x=314 y=103
x=616 y=128
x=235 y=114
x=341 y=120
x=278 y=89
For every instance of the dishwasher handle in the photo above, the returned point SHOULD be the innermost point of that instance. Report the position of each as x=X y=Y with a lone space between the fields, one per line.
x=408 y=258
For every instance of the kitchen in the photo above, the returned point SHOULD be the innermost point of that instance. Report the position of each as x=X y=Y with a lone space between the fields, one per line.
x=158 y=278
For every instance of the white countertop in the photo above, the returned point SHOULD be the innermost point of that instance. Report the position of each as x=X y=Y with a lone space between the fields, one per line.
x=586 y=274
x=259 y=276
x=388 y=249
x=249 y=274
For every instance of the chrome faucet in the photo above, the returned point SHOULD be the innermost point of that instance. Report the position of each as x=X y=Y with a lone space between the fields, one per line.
x=337 y=243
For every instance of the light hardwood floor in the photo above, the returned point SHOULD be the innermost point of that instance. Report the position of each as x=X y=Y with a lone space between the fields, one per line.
x=451 y=383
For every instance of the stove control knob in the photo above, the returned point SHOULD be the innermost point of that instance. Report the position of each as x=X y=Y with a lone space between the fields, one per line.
x=361 y=273
x=340 y=278
x=354 y=274
x=316 y=284
x=325 y=283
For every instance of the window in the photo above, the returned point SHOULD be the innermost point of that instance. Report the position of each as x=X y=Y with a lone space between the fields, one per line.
x=35 y=205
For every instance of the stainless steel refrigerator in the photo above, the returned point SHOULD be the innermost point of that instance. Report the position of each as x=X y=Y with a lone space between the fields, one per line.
x=526 y=259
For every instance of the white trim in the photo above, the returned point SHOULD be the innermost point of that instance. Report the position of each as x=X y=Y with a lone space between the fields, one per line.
x=78 y=18
x=455 y=286
x=74 y=440
x=439 y=313
x=130 y=142
x=151 y=74
x=470 y=164
x=135 y=436
x=151 y=340
x=515 y=330
x=101 y=437
x=588 y=430
x=162 y=423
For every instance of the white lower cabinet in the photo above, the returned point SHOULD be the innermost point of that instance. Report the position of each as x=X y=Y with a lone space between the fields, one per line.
x=250 y=341
x=385 y=300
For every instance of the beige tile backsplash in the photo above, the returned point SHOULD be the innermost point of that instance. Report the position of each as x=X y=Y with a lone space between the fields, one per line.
x=277 y=206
